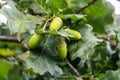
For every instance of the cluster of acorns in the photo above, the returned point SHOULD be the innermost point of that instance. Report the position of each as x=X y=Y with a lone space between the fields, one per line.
x=61 y=48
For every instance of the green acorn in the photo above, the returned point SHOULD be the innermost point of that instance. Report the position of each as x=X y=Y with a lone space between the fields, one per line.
x=62 y=49
x=76 y=34
x=56 y=24
x=34 y=40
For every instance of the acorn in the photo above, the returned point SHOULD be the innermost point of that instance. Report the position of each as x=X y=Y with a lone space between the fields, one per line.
x=76 y=34
x=55 y=24
x=62 y=49
x=34 y=41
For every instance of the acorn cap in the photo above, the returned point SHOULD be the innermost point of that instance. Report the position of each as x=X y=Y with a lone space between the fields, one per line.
x=62 y=44
x=59 y=19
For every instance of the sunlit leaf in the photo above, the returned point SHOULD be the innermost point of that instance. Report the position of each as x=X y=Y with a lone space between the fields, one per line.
x=98 y=20
x=6 y=52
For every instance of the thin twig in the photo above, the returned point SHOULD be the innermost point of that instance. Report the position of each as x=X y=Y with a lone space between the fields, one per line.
x=89 y=3
x=73 y=68
x=45 y=25
x=104 y=37
x=10 y=39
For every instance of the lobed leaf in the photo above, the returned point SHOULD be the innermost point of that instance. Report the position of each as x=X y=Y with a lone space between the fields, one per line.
x=112 y=75
x=83 y=48
x=42 y=65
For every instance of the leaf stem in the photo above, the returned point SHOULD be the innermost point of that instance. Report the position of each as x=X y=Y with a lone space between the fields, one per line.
x=45 y=25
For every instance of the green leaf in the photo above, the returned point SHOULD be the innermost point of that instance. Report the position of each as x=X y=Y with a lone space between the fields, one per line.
x=83 y=48
x=97 y=10
x=16 y=76
x=44 y=59
x=57 y=5
x=27 y=23
x=76 y=4
x=112 y=75
x=11 y=13
x=18 y=23
x=44 y=5
x=74 y=16
x=100 y=15
x=5 y=66
x=42 y=64
x=25 y=3
x=52 y=6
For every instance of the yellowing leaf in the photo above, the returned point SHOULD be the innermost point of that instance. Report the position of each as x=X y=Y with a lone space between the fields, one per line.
x=6 y=52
